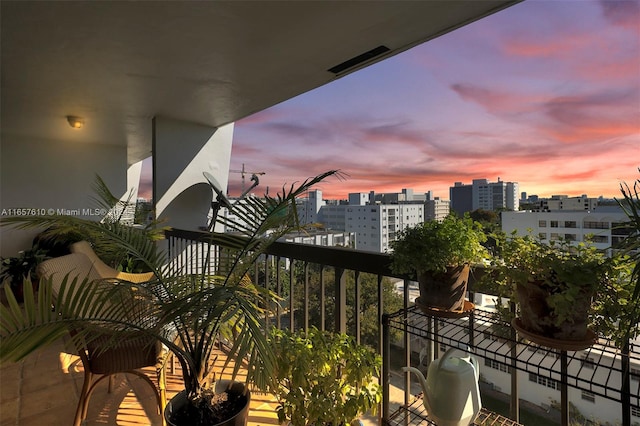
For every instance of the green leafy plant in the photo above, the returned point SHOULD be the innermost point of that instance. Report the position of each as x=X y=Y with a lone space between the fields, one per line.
x=555 y=279
x=434 y=246
x=188 y=312
x=323 y=378
x=630 y=245
x=16 y=269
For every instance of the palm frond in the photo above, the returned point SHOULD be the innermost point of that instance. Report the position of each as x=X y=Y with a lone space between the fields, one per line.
x=187 y=311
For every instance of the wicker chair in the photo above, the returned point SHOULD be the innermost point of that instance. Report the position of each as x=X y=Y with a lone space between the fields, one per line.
x=127 y=355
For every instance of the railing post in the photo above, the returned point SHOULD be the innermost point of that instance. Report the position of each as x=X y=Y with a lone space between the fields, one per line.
x=386 y=355
x=356 y=307
x=564 y=389
x=380 y=315
x=291 y=298
x=407 y=346
x=625 y=391
x=323 y=300
x=514 y=406
x=279 y=293
x=383 y=324
x=340 y=309
x=306 y=297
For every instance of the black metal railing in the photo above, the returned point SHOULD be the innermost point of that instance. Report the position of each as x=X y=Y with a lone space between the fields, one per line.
x=336 y=292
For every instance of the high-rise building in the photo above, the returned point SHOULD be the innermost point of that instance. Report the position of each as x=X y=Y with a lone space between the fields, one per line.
x=436 y=209
x=376 y=225
x=461 y=198
x=482 y=194
x=309 y=207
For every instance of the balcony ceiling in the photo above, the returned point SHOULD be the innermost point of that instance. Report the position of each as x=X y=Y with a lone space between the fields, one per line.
x=118 y=64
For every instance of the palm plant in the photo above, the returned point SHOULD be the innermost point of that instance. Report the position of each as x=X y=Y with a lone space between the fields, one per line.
x=630 y=204
x=188 y=312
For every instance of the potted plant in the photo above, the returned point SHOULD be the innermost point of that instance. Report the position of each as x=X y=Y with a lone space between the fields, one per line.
x=188 y=313
x=323 y=378
x=440 y=255
x=16 y=269
x=554 y=286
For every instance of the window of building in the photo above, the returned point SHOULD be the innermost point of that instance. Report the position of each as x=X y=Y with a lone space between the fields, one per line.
x=588 y=362
x=616 y=240
x=635 y=411
x=497 y=365
x=542 y=223
x=542 y=236
x=544 y=381
x=570 y=237
x=599 y=238
x=554 y=236
x=596 y=225
x=588 y=396
x=554 y=223
x=620 y=228
x=570 y=224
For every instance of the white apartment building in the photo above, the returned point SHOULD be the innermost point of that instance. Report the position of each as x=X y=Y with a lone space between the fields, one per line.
x=333 y=216
x=436 y=209
x=494 y=195
x=564 y=202
x=600 y=225
x=309 y=207
x=482 y=194
x=376 y=225
x=325 y=238
x=374 y=219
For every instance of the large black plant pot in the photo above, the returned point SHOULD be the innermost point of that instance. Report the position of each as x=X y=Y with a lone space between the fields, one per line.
x=538 y=319
x=179 y=413
x=444 y=291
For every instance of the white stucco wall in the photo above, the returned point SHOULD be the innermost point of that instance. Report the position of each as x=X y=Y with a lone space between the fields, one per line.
x=53 y=176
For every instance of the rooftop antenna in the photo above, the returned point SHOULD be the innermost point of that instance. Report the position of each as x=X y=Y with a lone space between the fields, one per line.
x=243 y=172
x=255 y=180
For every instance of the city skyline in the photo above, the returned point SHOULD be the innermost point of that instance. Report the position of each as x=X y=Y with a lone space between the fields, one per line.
x=544 y=93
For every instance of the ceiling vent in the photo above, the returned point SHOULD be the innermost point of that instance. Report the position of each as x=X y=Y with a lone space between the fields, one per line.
x=357 y=60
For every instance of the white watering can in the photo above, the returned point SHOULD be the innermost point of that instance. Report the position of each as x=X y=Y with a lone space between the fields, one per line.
x=451 y=393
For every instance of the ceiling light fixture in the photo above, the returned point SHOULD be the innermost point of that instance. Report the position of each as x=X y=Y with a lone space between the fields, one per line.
x=75 y=122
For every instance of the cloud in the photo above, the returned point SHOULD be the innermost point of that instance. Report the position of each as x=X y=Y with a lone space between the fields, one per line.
x=544 y=47
x=625 y=13
x=499 y=102
x=593 y=116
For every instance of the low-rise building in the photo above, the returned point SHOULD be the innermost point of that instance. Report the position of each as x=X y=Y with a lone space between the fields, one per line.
x=602 y=227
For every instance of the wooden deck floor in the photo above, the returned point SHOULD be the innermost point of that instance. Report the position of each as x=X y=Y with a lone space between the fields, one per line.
x=43 y=390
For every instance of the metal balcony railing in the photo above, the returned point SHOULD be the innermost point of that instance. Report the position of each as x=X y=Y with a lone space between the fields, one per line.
x=602 y=370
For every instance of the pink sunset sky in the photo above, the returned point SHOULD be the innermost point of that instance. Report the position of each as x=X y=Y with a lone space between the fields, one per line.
x=545 y=93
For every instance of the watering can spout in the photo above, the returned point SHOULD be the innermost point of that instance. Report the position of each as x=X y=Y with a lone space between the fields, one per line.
x=451 y=391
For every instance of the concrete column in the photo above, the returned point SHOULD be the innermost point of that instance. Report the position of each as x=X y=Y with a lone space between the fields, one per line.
x=182 y=151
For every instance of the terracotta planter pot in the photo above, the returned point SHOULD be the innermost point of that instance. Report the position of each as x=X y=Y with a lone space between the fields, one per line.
x=536 y=316
x=444 y=290
x=176 y=404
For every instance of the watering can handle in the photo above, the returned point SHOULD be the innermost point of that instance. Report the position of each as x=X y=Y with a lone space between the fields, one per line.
x=466 y=351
